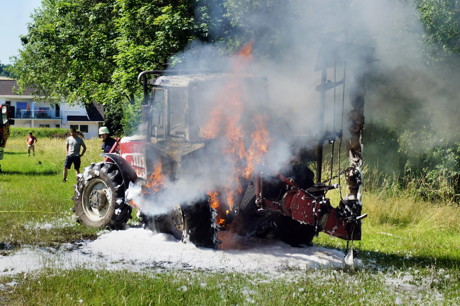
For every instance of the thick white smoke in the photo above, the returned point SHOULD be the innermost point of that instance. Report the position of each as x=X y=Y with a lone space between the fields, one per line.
x=287 y=42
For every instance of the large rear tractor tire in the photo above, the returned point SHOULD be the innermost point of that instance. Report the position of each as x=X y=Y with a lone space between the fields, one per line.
x=200 y=224
x=172 y=223
x=189 y=223
x=100 y=197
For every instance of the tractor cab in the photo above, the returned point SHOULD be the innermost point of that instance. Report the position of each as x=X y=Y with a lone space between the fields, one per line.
x=178 y=113
x=180 y=107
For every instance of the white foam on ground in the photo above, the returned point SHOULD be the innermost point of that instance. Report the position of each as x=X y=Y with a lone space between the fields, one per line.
x=136 y=249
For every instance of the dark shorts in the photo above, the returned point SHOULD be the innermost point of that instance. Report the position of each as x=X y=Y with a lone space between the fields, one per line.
x=75 y=160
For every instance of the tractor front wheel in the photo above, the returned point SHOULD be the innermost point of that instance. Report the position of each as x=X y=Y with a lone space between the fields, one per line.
x=99 y=197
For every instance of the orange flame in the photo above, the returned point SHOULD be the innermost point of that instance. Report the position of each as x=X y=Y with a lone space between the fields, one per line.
x=133 y=204
x=227 y=120
x=215 y=203
x=153 y=185
x=156 y=179
x=246 y=50
x=259 y=146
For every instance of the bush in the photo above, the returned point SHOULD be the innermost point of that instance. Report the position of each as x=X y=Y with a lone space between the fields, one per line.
x=414 y=162
x=440 y=169
x=18 y=132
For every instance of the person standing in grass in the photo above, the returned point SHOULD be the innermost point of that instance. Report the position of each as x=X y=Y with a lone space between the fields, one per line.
x=31 y=140
x=73 y=144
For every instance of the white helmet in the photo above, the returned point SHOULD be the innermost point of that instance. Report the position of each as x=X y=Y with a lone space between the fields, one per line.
x=103 y=130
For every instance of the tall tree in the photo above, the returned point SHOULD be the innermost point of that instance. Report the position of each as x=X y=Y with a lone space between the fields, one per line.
x=92 y=50
x=150 y=32
x=69 y=50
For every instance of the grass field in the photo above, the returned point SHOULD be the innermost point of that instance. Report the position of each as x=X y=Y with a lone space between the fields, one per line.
x=410 y=251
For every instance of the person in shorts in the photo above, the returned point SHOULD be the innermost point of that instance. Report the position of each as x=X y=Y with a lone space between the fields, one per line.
x=31 y=140
x=73 y=145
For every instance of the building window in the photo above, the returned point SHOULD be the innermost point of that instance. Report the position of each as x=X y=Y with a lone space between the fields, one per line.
x=43 y=112
x=74 y=126
x=44 y=125
x=58 y=126
x=21 y=110
x=84 y=128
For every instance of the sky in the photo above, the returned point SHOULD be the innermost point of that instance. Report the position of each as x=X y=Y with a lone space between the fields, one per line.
x=14 y=16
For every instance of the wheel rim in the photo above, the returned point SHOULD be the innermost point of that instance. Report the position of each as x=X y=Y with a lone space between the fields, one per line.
x=96 y=200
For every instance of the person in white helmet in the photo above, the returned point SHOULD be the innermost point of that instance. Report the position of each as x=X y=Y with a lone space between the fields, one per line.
x=107 y=141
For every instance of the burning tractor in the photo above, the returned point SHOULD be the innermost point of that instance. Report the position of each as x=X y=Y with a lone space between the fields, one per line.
x=197 y=168
x=6 y=113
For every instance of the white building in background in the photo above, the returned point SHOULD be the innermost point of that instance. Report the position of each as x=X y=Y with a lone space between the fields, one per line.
x=31 y=114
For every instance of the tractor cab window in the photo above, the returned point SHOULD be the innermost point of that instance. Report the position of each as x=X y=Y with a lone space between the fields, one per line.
x=169 y=113
x=157 y=123
x=178 y=109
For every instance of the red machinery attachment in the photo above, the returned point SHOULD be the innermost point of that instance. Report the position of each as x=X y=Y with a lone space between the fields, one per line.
x=311 y=207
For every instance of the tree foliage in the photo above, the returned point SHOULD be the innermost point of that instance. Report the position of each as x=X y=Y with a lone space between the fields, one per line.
x=442 y=23
x=5 y=71
x=69 y=50
x=150 y=32
x=93 y=50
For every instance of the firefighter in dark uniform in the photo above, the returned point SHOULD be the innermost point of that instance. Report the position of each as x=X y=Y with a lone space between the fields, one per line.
x=107 y=141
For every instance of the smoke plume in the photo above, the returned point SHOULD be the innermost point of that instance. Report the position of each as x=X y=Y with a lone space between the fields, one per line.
x=288 y=41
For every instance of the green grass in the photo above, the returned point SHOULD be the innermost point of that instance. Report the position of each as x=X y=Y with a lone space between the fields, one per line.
x=410 y=251
x=406 y=232
x=31 y=191
x=317 y=287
